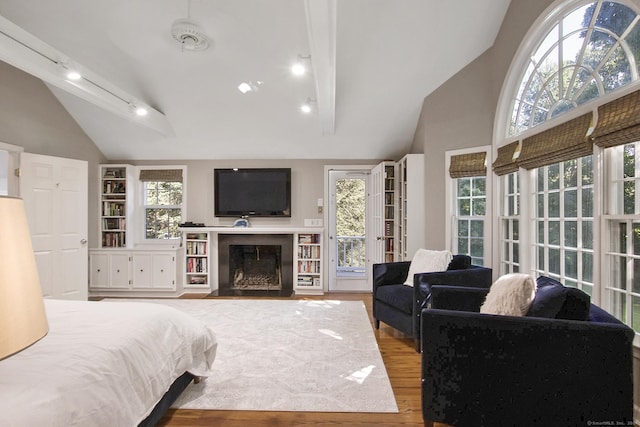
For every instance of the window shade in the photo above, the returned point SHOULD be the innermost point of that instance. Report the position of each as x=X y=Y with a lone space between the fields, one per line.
x=505 y=163
x=564 y=142
x=618 y=121
x=465 y=165
x=170 y=175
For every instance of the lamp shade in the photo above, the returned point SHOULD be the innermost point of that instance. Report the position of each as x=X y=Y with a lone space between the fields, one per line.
x=23 y=320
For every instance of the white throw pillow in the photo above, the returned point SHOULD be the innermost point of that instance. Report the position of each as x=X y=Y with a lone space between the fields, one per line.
x=510 y=295
x=428 y=261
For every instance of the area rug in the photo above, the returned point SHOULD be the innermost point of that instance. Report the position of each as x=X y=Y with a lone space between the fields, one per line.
x=289 y=355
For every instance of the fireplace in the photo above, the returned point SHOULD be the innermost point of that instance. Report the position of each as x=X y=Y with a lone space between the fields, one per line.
x=255 y=264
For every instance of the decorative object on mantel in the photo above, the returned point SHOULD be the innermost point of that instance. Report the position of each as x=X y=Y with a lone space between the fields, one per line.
x=241 y=222
x=23 y=319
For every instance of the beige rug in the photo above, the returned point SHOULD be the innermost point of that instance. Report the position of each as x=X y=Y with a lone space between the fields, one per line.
x=284 y=355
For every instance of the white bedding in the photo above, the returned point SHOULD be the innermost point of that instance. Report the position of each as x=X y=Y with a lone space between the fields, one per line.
x=102 y=364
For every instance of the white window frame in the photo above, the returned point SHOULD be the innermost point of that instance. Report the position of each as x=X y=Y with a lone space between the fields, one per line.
x=612 y=219
x=451 y=232
x=540 y=28
x=141 y=207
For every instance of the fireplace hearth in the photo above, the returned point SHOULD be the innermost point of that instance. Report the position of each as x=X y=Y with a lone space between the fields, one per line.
x=255 y=265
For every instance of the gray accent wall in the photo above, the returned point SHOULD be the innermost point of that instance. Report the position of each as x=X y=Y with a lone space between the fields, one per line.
x=32 y=118
x=460 y=113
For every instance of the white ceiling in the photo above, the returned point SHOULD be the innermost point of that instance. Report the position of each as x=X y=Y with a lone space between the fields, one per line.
x=374 y=60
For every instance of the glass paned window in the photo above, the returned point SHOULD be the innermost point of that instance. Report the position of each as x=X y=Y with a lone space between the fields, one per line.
x=162 y=209
x=510 y=225
x=622 y=256
x=590 y=52
x=564 y=234
x=471 y=208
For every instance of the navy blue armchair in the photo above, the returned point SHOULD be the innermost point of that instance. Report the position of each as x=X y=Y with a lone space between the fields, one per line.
x=400 y=306
x=481 y=370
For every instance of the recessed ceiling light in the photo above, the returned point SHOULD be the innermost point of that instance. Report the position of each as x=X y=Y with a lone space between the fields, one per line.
x=244 y=87
x=141 y=111
x=298 y=69
x=73 y=75
x=305 y=108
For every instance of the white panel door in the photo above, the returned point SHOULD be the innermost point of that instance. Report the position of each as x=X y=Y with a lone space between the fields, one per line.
x=54 y=191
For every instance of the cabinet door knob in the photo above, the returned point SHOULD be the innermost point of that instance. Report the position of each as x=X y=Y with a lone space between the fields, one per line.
x=161 y=270
x=141 y=270
x=98 y=270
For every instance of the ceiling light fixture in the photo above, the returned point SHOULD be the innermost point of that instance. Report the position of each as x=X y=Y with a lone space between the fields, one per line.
x=307 y=107
x=250 y=86
x=189 y=34
x=300 y=68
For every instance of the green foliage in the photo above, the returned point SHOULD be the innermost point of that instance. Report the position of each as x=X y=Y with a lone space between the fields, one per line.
x=350 y=207
x=163 y=219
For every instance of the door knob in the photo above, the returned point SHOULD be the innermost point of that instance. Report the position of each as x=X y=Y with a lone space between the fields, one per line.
x=83 y=241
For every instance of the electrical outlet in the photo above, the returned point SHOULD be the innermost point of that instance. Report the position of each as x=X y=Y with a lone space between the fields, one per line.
x=313 y=222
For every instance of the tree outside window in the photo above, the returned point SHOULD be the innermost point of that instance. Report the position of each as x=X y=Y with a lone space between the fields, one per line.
x=163 y=209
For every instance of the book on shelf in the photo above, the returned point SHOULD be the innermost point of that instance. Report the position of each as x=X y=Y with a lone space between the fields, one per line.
x=307 y=239
x=197 y=280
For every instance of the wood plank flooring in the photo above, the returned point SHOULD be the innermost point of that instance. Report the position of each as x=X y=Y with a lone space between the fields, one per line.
x=402 y=363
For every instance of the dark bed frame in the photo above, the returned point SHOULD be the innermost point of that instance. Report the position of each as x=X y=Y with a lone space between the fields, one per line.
x=169 y=397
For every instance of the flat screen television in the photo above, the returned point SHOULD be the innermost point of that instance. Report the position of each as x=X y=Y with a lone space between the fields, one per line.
x=252 y=192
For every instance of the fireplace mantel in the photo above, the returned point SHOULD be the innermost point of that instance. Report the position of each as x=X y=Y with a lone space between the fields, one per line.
x=308 y=253
x=253 y=230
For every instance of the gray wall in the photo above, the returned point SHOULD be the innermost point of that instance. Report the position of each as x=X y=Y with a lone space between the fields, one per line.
x=460 y=113
x=307 y=186
x=32 y=118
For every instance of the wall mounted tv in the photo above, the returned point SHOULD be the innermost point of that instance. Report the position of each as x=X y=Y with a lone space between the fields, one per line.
x=252 y=192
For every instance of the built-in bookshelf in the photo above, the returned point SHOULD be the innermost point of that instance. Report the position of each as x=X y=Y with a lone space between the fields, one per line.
x=411 y=211
x=197 y=263
x=309 y=263
x=389 y=212
x=115 y=205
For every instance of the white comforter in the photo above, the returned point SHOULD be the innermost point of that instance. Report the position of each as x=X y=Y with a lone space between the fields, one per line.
x=102 y=364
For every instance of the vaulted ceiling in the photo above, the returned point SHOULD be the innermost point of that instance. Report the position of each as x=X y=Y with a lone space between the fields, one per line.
x=372 y=61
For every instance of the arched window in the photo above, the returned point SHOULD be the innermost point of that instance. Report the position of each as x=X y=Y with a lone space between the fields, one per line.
x=590 y=51
x=580 y=56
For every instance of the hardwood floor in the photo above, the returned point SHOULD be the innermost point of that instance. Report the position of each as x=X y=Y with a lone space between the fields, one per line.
x=402 y=363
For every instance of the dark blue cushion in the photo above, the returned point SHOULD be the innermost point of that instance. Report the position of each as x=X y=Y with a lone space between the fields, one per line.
x=398 y=296
x=596 y=314
x=459 y=262
x=555 y=301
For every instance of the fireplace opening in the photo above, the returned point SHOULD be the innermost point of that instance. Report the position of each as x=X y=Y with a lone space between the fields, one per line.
x=255 y=265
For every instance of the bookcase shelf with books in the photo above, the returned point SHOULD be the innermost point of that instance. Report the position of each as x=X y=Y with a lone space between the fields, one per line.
x=197 y=262
x=308 y=271
x=115 y=205
x=389 y=212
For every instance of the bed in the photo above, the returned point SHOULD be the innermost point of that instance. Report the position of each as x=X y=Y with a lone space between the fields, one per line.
x=104 y=363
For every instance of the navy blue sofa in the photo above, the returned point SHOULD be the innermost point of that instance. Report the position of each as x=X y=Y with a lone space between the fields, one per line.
x=567 y=363
x=399 y=305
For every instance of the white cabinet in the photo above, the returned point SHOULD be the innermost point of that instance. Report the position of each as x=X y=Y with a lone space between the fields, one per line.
x=119 y=271
x=134 y=273
x=411 y=206
x=153 y=271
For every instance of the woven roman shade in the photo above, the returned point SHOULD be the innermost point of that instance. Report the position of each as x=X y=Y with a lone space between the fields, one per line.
x=506 y=163
x=564 y=142
x=618 y=121
x=169 y=175
x=466 y=165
